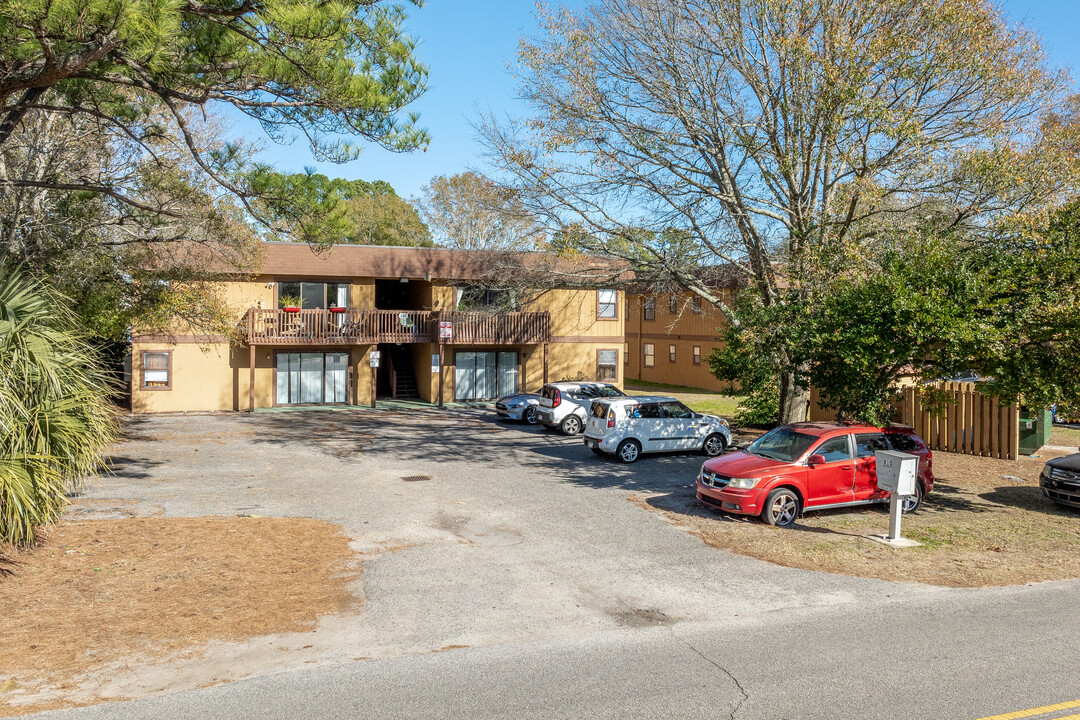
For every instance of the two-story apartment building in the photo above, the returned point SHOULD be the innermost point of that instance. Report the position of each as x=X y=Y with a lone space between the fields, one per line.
x=669 y=337
x=310 y=325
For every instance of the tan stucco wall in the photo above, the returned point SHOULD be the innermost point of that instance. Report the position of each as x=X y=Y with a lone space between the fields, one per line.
x=684 y=328
x=204 y=377
x=573 y=314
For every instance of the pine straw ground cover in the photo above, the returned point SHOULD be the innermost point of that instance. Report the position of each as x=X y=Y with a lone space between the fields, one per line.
x=978 y=528
x=100 y=593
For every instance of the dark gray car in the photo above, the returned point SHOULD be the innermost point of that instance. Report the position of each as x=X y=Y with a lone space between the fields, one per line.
x=1060 y=480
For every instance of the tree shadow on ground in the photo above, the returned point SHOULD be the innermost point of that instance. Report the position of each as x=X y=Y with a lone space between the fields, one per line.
x=1028 y=498
x=136 y=427
x=131 y=468
x=950 y=498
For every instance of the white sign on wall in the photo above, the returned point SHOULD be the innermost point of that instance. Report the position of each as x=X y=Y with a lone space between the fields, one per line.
x=435 y=363
x=374 y=358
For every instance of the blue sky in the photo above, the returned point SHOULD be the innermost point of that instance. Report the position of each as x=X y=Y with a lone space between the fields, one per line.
x=468 y=44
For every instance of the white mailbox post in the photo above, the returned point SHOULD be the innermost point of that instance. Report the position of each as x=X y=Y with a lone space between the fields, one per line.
x=897 y=473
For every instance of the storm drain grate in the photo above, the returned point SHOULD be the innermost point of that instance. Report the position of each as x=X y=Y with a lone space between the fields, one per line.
x=416 y=478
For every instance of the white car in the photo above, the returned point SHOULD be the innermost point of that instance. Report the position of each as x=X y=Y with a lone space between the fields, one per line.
x=565 y=405
x=630 y=426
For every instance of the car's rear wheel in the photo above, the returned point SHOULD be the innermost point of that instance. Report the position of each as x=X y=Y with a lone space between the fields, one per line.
x=628 y=451
x=781 y=507
x=911 y=503
x=571 y=425
x=529 y=415
x=714 y=445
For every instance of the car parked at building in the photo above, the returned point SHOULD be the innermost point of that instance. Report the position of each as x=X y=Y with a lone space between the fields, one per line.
x=630 y=426
x=810 y=466
x=520 y=406
x=565 y=405
x=1060 y=480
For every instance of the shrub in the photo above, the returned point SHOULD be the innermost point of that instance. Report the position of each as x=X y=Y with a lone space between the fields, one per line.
x=55 y=416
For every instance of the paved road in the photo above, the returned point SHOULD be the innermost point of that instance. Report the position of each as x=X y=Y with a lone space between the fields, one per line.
x=569 y=600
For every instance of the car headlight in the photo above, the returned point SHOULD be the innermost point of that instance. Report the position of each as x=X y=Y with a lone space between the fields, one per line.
x=723 y=422
x=743 y=483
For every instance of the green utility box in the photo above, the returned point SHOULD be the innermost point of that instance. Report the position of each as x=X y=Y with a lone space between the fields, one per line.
x=1035 y=426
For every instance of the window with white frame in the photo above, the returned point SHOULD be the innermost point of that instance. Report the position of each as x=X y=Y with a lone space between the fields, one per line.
x=606 y=303
x=650 y=308
x=157 y=370
x=697 y=354
x=671 y=353
x=650 y=355
x=607 y=365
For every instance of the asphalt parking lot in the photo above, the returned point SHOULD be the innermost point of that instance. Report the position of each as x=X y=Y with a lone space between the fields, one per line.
x=481 y=534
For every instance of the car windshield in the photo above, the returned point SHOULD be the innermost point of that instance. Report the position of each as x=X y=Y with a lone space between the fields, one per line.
x=781 y=444
x=610 y=391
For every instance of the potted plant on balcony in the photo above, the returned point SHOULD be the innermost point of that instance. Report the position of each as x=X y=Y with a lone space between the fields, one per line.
x=291 y=303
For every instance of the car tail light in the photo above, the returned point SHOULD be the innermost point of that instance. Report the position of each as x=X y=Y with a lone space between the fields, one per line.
x=611 y=419
x=556 y=400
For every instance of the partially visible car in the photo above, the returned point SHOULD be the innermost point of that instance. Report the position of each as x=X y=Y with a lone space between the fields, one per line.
x=630 y=426
x=565 y=405
x=1060 y=480
x=810 y=466
x=520 y=406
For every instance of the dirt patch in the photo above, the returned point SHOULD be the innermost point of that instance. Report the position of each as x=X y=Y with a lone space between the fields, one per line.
x=986 y=523
x=99 y=593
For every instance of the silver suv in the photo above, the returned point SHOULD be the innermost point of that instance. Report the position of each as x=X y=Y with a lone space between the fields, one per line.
x=565 y=405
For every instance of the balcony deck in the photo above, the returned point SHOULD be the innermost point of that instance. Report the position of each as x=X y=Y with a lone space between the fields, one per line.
x=367 y=327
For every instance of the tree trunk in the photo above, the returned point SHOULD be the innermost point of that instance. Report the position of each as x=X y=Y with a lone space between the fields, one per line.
x=794 y=400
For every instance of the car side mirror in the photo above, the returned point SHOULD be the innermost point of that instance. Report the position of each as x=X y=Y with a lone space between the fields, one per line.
x=815 y=460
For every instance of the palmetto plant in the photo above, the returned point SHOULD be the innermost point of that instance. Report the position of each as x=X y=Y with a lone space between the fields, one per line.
x=55 y=415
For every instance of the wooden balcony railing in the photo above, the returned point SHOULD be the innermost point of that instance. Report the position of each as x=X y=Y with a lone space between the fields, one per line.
x=363 y=327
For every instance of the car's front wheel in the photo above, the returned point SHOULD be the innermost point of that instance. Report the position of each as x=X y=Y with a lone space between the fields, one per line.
x=911 y=503
x=714 y=445
x=628 y=451
x=529 y=415
x=571 y=425
x=781 y=507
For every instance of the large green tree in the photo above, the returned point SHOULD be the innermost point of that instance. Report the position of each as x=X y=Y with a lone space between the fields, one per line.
x=933 y=304
x=775 y=131
x=115 y=160
x=313 y=208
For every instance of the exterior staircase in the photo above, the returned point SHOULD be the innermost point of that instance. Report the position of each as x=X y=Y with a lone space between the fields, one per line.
x=403 y=377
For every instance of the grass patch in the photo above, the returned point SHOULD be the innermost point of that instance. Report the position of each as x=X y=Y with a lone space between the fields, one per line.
x=105 y=593
x=1065 y=436
x=703 y=401
x=977 y=529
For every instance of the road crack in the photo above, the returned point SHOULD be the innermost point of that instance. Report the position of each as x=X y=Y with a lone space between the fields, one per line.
x=721 y=668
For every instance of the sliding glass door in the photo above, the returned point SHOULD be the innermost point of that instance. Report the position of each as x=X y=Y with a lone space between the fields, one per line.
x=484 y=375
x=312 y=378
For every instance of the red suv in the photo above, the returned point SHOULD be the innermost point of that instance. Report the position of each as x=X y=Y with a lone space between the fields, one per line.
x=809 y=466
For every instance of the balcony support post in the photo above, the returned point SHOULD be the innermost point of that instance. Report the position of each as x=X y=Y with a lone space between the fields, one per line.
x=251 y=378
x=545 y=363
x=442 y=369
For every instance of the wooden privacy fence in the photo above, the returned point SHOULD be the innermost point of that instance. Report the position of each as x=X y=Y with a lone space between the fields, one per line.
x=972 y=423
